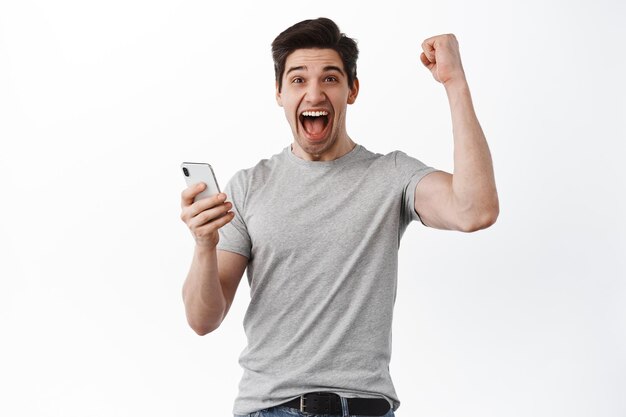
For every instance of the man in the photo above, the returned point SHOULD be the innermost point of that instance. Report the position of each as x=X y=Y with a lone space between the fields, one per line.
x=318 y=227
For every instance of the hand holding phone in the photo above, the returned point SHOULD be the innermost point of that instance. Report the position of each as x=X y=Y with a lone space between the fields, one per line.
x=204 y=209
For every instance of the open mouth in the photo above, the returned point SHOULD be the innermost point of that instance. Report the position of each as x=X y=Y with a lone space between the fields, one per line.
x=314 y=123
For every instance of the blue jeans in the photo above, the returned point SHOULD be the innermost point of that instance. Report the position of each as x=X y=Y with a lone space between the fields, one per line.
x=280 y=411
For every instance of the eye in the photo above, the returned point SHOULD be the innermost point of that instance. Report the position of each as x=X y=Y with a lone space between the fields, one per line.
x=331 y=79
x=297 y=80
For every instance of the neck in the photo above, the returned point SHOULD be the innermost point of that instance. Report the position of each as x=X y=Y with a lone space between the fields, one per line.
x=339 y=149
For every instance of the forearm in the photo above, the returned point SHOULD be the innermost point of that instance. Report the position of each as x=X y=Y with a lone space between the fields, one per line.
x=473 y=183
x=204 y=300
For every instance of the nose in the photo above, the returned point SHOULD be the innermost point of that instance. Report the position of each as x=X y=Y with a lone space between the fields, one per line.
x=315 y=93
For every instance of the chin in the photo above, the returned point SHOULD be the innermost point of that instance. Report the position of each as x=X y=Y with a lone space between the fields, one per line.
x=315 y=147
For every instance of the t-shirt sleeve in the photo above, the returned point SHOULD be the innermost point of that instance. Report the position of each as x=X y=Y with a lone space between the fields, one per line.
x=234 y=235
x=411 y=173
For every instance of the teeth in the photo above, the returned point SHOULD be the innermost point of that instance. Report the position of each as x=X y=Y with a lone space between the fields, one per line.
x=315 y=113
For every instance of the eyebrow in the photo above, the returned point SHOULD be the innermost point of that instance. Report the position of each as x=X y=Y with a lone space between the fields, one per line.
x=326 y=69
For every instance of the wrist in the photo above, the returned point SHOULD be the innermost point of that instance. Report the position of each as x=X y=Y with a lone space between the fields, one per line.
x=204 y=249
x=456 y=85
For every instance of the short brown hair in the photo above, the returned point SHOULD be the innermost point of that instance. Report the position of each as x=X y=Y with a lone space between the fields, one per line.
x=318 y=33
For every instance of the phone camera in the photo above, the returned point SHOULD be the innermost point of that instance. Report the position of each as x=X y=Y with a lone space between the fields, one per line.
x=186 y=172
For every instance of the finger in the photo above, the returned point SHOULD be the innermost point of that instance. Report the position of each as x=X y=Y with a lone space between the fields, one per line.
x=425 y=61
x=222 y=221
x=190 y=193
x=207 y=203
x=214 y=225
x=209 y=215
x=192 y=210
x=429 y=49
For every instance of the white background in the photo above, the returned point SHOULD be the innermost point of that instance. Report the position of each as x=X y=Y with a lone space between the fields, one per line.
x=101 y=101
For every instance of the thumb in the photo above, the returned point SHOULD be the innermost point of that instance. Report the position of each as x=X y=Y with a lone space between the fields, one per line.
x=425 y=60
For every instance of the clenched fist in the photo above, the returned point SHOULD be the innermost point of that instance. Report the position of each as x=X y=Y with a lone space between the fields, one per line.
x=442 y=57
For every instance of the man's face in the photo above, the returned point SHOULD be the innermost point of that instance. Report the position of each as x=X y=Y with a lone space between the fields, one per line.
x=315 y=96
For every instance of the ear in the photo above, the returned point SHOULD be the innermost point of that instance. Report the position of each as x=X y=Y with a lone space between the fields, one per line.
x=279 y=98
x=354 y=91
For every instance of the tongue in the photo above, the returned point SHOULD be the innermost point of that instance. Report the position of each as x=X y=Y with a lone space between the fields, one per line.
x=314 y=125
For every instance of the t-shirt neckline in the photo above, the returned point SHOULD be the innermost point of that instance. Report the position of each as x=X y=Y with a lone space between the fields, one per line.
x=317 y=164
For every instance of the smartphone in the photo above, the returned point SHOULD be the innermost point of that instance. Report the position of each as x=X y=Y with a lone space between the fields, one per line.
x=196 y=172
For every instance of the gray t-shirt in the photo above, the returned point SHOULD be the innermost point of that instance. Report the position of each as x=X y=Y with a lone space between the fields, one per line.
x=322 y=241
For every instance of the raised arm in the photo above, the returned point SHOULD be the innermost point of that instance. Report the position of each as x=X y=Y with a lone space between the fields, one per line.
x=466 y=200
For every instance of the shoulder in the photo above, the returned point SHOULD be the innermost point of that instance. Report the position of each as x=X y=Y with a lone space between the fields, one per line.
x=402 y=160
x=399 y=161
x=379 y=158
x=244 y=178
